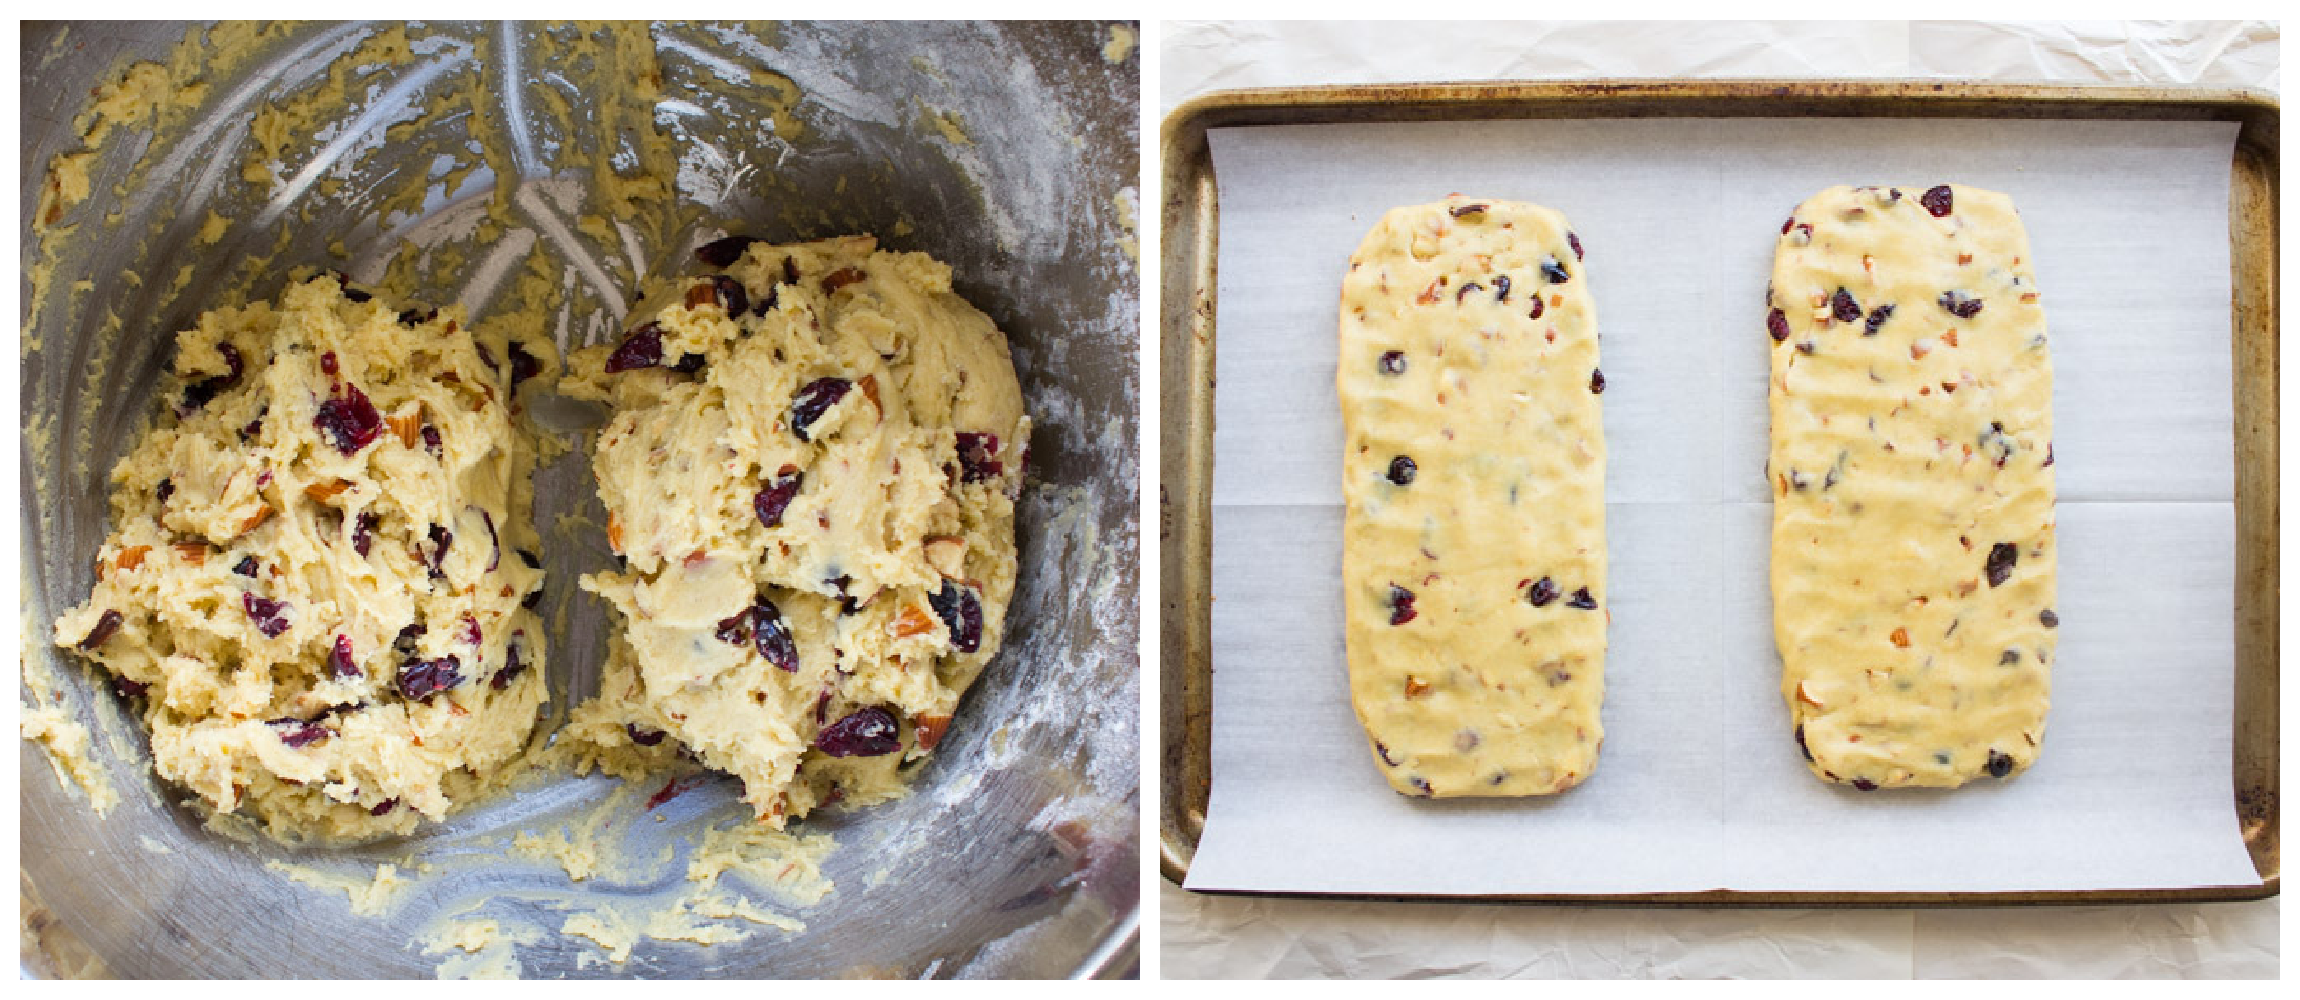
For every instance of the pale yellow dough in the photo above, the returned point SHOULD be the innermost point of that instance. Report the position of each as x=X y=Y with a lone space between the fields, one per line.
x=1913 y=558
x=884 y=518
x=1480 y=691
x=247 y=496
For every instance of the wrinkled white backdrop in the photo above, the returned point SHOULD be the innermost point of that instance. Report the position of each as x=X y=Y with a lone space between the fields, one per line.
x=1204 y=936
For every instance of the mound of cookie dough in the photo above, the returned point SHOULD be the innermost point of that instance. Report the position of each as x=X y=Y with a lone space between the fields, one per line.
x=316 y=587
x=810 y=474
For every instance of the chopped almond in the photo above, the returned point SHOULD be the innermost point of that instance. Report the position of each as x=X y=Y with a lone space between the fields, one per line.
x=256 y=519
x=1964 y=258
x=841 y=278
x=696 y=558
x=910 y=622
x=1901 y=638
x=1416 y=687
x=700 y=295
x=408 y=428
x=322 y=491
x=1919 y=350
x=869 y=385
x=615 y=533
x=1950 y=338
x=132 y=556
x=947 y=554
x=1806 y=696
x=929 y=730
x=195 y=553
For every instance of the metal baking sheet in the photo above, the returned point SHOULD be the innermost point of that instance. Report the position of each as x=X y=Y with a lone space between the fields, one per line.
x=1189 y=214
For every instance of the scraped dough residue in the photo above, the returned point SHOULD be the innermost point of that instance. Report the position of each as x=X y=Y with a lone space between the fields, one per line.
x=1121 y=44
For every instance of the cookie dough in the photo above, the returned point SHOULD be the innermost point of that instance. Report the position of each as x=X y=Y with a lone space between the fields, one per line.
x=810 y=475
x=1911 y=467
x=1473 y=554
x=314 y=588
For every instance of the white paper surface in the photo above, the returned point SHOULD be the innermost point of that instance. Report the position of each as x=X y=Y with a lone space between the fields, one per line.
x=1699 y=785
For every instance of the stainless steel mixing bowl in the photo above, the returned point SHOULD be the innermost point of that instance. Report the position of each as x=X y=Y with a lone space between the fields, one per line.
x=1017 y=853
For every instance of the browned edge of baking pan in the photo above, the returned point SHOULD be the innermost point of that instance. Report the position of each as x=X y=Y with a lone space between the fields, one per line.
x=1187 y=220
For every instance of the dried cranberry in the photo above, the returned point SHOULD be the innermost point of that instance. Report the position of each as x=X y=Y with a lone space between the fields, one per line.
x=2047 y=454
x=441 y=539
x=327 y=363
x=2002 y=557
x=1537 y=307
x=1542 y=592
x=512 y=667
x=405 y=643
x=1461 y=211
x=772 y=635
x=384 y=806
x=2049 y=619
x=470 y=635
x=1466 y=288
x=690 y=363
x=431 y=441
x=126 y=688
x=731 y=294
x=495 y=544
x=363 y=532
x=1596 y=380
x=1842 y=306
x=1384 y=750
x=1959 y=305
x=254 y=428
x=348 y=420
x=641 y=348
x=1501 y=288
x=766 y=304
x=1573 y=240
x=524 y=366
x=1554 y=270
x=417 y=316
x=1393 y=362
x=735 y=631
x=420 y=679
x=106 y=624
x=2010 y=657
x=167 y=488
x=644 y=737
x=1582 y=600
x=199 y=393
x=1864 y=784
x=960 y=608
x=1422 y=786
x=1401 y=605
x=870 y=732
x=1939 y=201
x=724 y=252
x=977 y=457
x=1402 y=470
x=247 y=567
x=813 y=400
x=269 y=616
x=298 y=734
x=339 y=661
x=1778 y=323
x=1999 y=764
x=487 y=358
x=775 y=498
x=1877 y=318
x=1801 y=747
x=349 y=292
x=1787 y=224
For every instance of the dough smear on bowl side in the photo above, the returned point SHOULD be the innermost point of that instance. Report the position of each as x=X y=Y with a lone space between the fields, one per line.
x=810 y=474
x=315 y=589
x=1911 y=469
x=1473 y=472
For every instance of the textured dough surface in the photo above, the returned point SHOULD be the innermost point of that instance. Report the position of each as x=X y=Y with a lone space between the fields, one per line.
x=1913 y=559
x=1469 y=347
x=402 y=550
x=890 y=528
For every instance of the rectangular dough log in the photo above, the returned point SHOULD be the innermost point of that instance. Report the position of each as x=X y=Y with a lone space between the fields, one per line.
x=1912 y=477
x=1473 y=554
